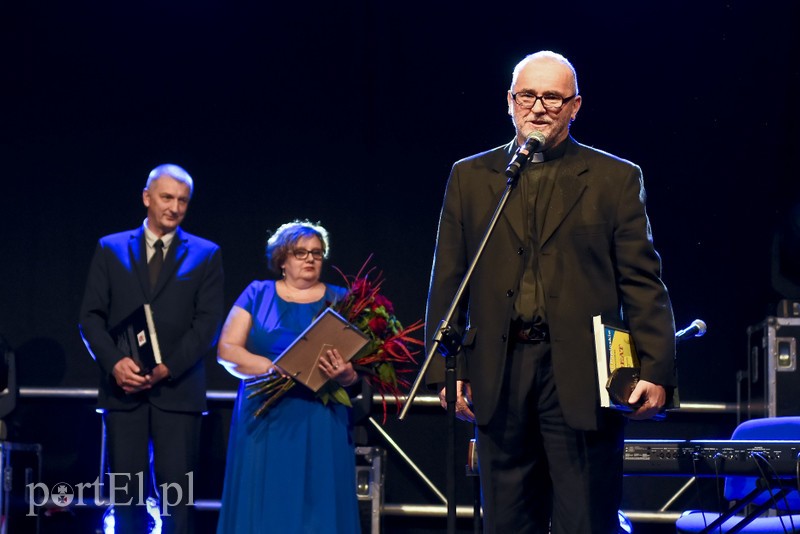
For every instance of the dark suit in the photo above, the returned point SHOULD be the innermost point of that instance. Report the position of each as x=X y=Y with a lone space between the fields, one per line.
x=188 y=307
x=595 y=255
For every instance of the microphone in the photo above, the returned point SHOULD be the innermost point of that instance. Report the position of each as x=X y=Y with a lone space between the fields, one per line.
x=696 y=329
x=524 y=154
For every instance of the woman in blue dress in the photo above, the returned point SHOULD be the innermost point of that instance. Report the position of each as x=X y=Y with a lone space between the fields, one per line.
x=292 y=468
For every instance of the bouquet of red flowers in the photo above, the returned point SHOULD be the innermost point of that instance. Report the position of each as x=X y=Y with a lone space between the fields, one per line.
x=383 y=362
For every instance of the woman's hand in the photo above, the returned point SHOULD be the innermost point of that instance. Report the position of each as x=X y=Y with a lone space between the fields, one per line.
x=333 y=366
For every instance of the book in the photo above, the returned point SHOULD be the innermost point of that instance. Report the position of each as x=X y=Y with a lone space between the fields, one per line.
x=330 y=330
x=618 y=367
x=136 y=337
x=617 y=364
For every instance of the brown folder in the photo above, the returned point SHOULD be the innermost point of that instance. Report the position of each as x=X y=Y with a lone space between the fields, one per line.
x=328 y=331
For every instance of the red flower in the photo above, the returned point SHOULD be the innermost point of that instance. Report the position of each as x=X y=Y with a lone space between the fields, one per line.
x=380 y=300
x=378 y=326
x=385 y=362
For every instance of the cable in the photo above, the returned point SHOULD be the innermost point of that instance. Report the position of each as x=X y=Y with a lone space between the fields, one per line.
x=797 y=471
x=718 y=482
x=696 y=457
x=761 y=462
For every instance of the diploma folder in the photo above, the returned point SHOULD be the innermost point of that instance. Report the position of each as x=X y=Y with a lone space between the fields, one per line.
x=328 y=331
x=136 y=337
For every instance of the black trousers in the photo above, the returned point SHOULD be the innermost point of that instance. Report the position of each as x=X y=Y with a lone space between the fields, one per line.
x=537 y=473
x=152 y=452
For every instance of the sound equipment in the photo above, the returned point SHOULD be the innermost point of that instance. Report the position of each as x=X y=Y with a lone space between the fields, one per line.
x=370 y=469
x=712 y=458
x=21 y=465
x=772 y=377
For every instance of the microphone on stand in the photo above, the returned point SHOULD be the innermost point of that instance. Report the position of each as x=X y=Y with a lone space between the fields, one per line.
x=696 y=329
x=535 y=142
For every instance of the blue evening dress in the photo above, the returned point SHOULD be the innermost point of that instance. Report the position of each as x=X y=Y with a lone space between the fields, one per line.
x=292 y=469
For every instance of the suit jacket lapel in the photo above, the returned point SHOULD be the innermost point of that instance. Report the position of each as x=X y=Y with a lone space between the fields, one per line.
x=566 y=191
x=175 y=256
x=138 y=252
x=514 y=211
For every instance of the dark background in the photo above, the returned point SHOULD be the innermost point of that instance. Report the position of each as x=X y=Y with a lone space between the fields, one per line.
x=351 y=115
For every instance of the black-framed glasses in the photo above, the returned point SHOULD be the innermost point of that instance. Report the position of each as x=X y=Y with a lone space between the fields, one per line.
x=550 y=101
x=301 y=253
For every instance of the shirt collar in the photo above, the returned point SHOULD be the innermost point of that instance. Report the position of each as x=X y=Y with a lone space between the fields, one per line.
x=151 y=238
x=555 y=152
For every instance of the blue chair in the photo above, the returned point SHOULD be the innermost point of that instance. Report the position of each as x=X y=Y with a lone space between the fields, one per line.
x=781 y=514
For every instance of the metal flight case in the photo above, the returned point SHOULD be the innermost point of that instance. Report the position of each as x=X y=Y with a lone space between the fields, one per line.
x=370 y=465
x=773 y=380
x=21 y=465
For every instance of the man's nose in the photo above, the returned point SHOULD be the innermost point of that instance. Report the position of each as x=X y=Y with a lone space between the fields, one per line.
x=540 y=103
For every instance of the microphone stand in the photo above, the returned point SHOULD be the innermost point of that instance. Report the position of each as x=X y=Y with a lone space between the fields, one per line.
x=447 y=341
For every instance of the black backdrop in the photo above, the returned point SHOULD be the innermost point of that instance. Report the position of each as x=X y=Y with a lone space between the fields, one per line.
x=352 y=115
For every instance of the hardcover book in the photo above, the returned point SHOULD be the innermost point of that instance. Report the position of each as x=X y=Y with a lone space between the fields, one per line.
x=618 y=366
x=136 y=337
x=617 y=363
x=328 y=331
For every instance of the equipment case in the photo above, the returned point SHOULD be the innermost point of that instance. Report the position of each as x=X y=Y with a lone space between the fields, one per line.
x=21 y=466
x=370 y=465
x=773 y=380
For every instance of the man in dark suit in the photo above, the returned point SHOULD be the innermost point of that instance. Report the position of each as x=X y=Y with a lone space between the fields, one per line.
x=180 y=276
x=573 y=241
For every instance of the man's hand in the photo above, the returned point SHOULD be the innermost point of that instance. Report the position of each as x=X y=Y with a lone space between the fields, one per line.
x=463 y=401
x=652 y=398
x=159 y=373
x=126 y=373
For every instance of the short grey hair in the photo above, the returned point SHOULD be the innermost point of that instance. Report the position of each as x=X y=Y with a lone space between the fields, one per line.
x=173 y=171
x=544 y=54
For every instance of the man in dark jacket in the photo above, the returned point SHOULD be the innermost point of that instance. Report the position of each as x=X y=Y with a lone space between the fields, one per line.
x=180 y=276
x=573 y=241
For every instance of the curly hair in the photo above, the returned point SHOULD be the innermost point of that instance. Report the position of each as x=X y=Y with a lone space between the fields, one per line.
x=283 y=240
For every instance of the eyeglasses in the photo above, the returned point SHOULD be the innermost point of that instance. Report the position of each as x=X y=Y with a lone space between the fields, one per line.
x=301 y=253
x=550 y=101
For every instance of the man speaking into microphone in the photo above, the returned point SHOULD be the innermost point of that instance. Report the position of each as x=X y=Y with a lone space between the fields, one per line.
x=573 y=241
